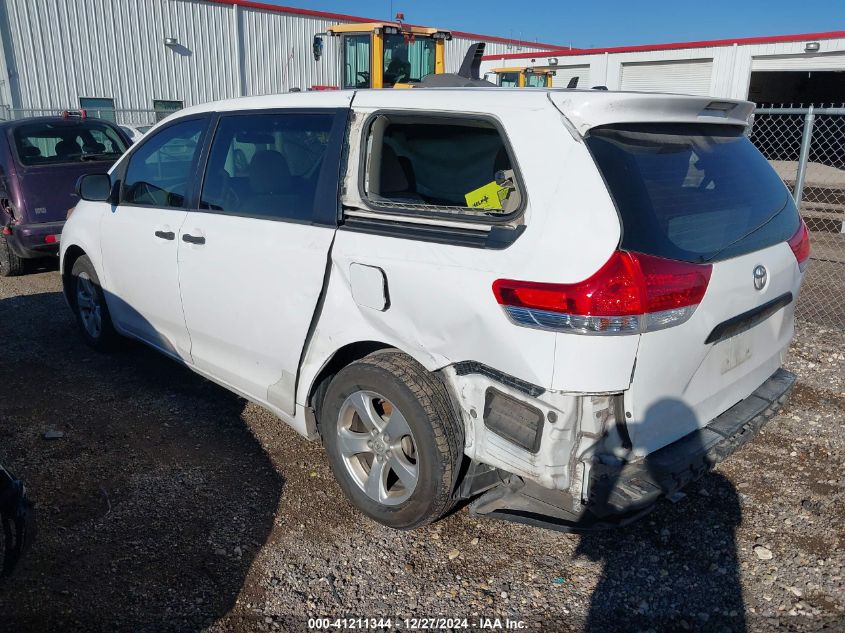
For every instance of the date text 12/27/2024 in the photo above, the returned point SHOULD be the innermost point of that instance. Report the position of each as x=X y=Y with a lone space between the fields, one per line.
x=416 y=624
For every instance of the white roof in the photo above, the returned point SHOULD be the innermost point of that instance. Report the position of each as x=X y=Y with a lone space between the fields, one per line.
x=585 y=109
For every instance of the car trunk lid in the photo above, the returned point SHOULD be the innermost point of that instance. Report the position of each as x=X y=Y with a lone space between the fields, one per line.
x=48 y=192
x=688 y=374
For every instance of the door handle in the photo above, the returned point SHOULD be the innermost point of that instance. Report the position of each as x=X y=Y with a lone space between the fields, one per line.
x=165 y=235
x=193 y=239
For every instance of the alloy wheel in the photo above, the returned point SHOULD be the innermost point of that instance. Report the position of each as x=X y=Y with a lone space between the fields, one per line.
x=88 y=304
x=377 y=447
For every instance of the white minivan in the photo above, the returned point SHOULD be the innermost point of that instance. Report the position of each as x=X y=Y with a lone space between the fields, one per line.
x=557 y=304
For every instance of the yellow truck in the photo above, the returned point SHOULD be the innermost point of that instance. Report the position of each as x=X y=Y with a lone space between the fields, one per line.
x=386 y=54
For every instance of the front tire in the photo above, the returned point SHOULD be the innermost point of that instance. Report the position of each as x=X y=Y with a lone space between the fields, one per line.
x=89 y=306
x=393 y=440
x=11 y=265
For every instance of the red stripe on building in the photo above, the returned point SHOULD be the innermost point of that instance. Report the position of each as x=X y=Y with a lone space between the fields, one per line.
x=772 y=39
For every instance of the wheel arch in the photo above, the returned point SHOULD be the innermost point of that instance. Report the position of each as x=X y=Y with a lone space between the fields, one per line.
x=340 y=358
x=71 y=254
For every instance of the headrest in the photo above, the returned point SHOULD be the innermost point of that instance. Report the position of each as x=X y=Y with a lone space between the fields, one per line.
x=269 y=173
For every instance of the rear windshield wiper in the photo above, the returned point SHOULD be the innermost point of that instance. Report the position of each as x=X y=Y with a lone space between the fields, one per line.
x=101 y=156
x=750 y=232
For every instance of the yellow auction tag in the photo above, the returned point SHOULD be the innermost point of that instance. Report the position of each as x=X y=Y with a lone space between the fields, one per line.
x=490 y=196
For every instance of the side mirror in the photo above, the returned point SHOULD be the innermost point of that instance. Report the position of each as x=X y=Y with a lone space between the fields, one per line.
x=94 y=187
x=317 y=47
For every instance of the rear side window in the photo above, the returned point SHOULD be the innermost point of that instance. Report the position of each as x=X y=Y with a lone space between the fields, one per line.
x=692 y=192
x=433 y=165
x=266 y=165
x=51 y=143
x=159 y=171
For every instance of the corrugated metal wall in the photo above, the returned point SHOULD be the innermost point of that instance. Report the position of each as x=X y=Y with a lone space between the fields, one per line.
x=66 y=49
x=277 y=52
x=62 y=50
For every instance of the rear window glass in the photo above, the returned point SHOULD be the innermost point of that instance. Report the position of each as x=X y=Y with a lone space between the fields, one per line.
x=692 y=192
x=440 y=165
x=47 y=143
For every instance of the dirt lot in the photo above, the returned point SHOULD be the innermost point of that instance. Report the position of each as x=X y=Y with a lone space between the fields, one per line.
x=172 y=505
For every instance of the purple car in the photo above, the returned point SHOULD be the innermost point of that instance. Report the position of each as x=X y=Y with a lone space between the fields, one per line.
x=40 y=161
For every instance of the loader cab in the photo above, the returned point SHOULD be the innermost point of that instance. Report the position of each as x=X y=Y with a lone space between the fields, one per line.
x=388 y=54
x=524 y=77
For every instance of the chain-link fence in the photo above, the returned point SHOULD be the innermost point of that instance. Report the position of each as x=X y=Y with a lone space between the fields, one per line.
x=806 y=146
x=123 y=116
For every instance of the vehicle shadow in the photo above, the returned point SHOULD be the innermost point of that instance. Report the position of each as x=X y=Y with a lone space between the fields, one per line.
x=153 y=504
x=675 y=569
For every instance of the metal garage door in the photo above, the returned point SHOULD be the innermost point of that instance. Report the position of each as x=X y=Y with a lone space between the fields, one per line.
x=684 y=77
x=565 y=73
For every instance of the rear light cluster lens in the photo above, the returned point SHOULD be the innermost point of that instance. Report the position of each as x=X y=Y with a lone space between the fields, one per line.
x=631 y=293
x=800 y=245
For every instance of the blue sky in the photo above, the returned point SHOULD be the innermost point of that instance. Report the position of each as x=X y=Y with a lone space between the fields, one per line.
x=604 y=23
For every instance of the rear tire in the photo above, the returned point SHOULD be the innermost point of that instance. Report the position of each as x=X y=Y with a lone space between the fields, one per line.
x=89 y=306
x=11 y=265
x=393 y=440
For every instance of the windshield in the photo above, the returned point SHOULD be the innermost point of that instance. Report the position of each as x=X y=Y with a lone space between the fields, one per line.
x=692 y=192
x=508 y=80
x=53 y=142
x=533 y=80
x=407 y=59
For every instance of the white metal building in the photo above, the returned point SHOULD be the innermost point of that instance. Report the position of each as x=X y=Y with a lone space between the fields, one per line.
x=804 y=68
x=57 y=54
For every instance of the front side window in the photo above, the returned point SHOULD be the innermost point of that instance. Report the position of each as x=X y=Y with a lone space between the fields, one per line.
x=356 y=61
x=51 y=143
x=407 y=59
x=438 y=165
x=159 y=171
x=266 y=165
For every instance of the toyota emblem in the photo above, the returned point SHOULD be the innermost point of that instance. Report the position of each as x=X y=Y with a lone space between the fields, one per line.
x=760 y=277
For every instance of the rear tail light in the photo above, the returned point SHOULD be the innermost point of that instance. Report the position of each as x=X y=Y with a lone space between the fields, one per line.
x=800 y=245
x=631 y=293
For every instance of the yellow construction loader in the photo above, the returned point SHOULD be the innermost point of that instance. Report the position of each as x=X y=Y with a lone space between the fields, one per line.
x=386 y=54
x=524 y=77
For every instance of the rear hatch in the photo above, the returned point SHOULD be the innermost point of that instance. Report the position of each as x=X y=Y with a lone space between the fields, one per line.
x=52 y=154
x=702 y=194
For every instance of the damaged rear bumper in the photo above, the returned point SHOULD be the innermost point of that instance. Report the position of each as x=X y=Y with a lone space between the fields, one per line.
x=619 y=492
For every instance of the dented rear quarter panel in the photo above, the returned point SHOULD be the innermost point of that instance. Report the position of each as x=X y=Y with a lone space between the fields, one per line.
x=442 y=308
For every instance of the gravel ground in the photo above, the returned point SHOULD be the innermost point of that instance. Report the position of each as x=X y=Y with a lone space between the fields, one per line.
x=172 y=505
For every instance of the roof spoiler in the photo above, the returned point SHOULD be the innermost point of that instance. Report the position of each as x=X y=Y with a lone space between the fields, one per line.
x=471 y=66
